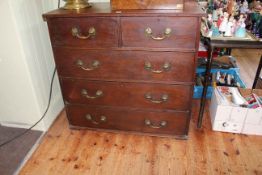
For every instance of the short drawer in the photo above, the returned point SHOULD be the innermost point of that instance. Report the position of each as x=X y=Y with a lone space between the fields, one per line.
x=88 y=32
x=159 y=32
x=171 y=123
x=125 y=65
x=139 y=95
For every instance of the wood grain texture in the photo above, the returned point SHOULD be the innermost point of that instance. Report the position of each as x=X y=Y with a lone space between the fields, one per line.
x=104 y=9
x=123 y=94
x=106 y=32
x=131 y=120
x=80 y=152
x=147 y=4
x=247 y=60
x=133 y=90
x=125 y=65
x=182 y=36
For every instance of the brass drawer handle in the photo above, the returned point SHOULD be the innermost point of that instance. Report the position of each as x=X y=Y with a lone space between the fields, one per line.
x=94 y=65
x=77 y=33
x=163 y=99
x=165 y=67
x=90 y=118
x=84 y=93
x=166 y=34
x=161 y=125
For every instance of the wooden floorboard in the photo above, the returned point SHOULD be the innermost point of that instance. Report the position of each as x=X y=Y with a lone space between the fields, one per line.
x=247 y=60
x=65 y=151
x=83 y=152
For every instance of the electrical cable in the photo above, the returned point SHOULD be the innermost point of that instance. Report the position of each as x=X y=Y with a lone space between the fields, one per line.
x=48 y=105
x=58 y=4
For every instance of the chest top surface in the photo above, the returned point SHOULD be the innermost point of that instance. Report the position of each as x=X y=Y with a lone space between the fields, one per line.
x=104 y=9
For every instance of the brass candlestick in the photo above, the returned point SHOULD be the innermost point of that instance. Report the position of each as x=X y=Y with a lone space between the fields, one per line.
x=76 y=4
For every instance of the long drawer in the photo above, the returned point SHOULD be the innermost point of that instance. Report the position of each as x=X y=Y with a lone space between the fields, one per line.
x=138 y=95
x=159 y=32
x=123 y=65
x=88 y=32
x=174 y=123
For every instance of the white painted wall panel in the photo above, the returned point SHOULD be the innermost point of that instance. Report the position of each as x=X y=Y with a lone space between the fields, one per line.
x=15 y=91
x=26 y=64
x=38 y=53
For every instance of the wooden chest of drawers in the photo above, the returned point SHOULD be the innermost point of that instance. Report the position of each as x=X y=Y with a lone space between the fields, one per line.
x=129 y=70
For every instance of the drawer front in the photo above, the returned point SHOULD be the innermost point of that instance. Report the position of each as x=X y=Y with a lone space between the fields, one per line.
x=159 y=32
x=90 y=32
x=139 y=95
x=174 y=123
x=123 y=65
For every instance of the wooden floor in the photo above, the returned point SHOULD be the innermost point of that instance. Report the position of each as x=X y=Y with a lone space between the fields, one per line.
x=83 y=152
x=247 y=60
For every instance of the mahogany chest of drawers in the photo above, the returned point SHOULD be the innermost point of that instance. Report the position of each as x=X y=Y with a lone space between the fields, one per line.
x=129 y=70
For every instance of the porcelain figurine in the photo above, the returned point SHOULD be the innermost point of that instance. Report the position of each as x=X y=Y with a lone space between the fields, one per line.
x=258 y=33
x=244 y=7
x=223 y=25
x=229 y=26
x=220 y=11
x=220 y=16
x=215 y=30
x=236 y=8
x=256 y=6
x=219 y=21
x=210 y=5
x=241 y=30
x=230 y=6
x=209 y=20
x=215 y=15
x=216 y=4
x=234 y=26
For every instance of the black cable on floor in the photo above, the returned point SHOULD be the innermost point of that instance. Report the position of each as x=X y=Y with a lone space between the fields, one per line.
x=43 y=116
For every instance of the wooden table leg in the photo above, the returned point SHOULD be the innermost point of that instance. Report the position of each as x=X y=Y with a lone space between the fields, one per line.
x=228 y=51
x=258 y=73
x=206 y=82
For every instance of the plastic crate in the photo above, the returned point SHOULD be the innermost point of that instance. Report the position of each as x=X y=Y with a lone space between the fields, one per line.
x=198 y=90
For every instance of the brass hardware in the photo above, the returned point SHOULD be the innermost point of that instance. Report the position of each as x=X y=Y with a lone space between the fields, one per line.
x=166 y=34
x=76 y=4
x=165 y=67
x=164 y=98
x=77 y=33
x=94 y=65
x=90 y=118
x=161 y=125
x=84 y=93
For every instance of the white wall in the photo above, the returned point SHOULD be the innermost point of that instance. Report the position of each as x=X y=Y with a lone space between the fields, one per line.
x=26 y=64
x=15 y=90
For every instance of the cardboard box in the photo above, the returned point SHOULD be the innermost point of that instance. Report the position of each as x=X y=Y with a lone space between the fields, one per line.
x=253 y=121
x=235 y=119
